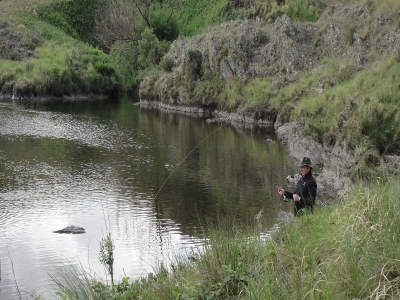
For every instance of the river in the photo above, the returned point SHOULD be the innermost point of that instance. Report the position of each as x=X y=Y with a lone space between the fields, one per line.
x=153 y=179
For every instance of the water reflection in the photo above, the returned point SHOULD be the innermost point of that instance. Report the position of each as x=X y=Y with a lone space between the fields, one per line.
x=152 y=178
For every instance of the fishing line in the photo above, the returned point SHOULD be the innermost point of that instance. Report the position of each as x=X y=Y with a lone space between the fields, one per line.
x=186 y=158
x=258 y=157
x=258 y=216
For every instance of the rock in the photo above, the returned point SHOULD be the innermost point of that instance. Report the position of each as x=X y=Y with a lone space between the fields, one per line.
x=292 y=180
x=71 y=229
x=337 y=162
x=270 y=141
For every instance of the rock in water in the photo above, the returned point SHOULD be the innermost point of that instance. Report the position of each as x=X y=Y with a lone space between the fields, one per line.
x=71 y=229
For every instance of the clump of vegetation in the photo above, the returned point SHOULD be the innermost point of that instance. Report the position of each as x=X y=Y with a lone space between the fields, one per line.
x=60 y=70
x=106 y=255
x=299 y=10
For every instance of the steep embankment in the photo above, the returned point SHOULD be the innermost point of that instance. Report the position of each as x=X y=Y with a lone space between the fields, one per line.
x=45 y=52
x=313 y=79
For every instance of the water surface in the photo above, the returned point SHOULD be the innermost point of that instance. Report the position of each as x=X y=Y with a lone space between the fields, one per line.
x=152 y=178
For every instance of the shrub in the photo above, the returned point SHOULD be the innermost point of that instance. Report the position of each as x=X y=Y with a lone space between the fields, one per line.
x=164 y=24
x=124 y=56
x=104 y=69
x=304 y=10
x=151 y=50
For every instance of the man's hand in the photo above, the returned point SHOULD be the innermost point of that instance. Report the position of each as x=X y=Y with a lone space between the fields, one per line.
x=281 y=191
x=296 y=197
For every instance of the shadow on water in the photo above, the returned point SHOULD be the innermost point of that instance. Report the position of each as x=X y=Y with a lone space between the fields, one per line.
x=79 y=162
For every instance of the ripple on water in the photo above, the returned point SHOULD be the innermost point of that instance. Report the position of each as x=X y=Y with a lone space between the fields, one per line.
x=18 y=123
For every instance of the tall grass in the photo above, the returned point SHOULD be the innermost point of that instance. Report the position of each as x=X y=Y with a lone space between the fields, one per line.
x=372 y=238
x=194 y=16
x=60 y=70
x=299 y=10
x=346 y=251
x=76 y=18
x=74 y=282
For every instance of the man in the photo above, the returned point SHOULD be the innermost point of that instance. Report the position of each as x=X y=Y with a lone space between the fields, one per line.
x=306 y=191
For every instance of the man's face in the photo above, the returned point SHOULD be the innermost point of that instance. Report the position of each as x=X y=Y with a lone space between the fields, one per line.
x=304 y=170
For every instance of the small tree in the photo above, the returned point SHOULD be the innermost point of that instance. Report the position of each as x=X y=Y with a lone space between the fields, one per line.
x=106 y=255
x=115 y=21
x=124 y=20
x=151 y=50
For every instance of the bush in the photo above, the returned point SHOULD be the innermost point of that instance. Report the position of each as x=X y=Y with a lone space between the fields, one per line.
x=151 y=50
x=197 y=15
x=104 y=69
x=164 y=25
x=124 y=56
x=304 y=10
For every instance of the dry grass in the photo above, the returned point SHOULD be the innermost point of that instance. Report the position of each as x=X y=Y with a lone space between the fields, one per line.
x=387 y=6
x=10 y=8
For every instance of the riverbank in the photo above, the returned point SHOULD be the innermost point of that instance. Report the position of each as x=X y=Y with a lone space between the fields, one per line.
x=345 y=251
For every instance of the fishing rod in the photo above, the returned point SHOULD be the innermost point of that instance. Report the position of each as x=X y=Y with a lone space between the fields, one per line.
x=186 y=158
x=258 y=157
x=268 y=167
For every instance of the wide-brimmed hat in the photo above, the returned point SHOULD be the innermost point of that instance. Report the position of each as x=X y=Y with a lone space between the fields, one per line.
x=305 y=161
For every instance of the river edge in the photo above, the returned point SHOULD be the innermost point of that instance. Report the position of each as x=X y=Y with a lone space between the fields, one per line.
x=44 y=99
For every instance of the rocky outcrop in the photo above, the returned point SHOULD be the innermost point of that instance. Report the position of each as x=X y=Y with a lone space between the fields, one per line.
x=236 y=50
x=333 y=180
x=354 y=33
x=282 y=51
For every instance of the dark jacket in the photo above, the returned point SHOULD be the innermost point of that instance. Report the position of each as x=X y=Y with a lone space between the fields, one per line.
x=307 y=190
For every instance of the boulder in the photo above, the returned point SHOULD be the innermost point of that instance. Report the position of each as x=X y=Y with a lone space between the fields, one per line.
x=71 y=229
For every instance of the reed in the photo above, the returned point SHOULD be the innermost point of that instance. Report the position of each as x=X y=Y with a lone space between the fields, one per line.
x=73 y=281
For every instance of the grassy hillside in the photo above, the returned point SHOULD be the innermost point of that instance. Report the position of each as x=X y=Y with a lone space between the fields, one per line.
x=39 y=59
